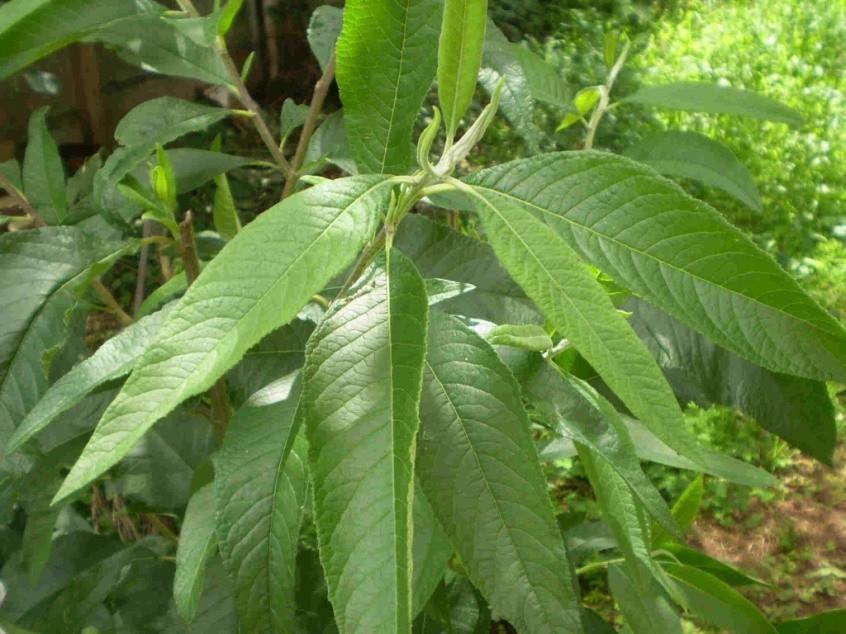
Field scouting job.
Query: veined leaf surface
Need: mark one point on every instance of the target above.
(196, 545)
(257, 283)
(679, 254)
(386, 63)
(478, 466)
(363, 373)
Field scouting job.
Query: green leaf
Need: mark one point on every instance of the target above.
(196, 545)
(832, 622)
(184, 47)
(258, 282)
(195, 167)
(363, 372)
(32, 29)
(11, 169)
(500, 62)
(528, 337)
(324, 27)
(716, 602)
(227, 16)
(40, 269)
(652, 449)
(643, 611)
(726, 573)
(113, 359)
(544, 80)
(695, 156)
(576, 304)
(225, 214)
(386, 62)
(703, 97)
(799, 410)
(292, 116)
(440, 252)
(587, 98)
(158, 470)
(581, 413)
(460, 50)
(43, 172)
(171, 289)
(259, 490)
(685, 509)
(431, 551)
(478, 466)
(679, 254)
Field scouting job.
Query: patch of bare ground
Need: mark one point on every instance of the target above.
(797, 543)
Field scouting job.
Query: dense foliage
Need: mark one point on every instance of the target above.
(336, 416)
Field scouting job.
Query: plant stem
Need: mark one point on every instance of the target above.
(321, 89)
(22, 201)
(112, 304)
(161, 527)
(244, 96)
(598, 565)
(605, 97)
(219, 394)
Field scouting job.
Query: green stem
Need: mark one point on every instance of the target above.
(604, 99)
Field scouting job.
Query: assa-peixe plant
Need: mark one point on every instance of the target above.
(369, 373)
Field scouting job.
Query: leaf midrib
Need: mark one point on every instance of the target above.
(396, 87)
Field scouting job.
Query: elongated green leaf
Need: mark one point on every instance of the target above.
(363, 372)
(324, 27)
(224, 212)
(528, 337)
(184, 47)
(258, 282)
(685, 509)
(500, 62)
(194, 167)
(716, 602)
(171, 289)
(431, 551)
(544, 80)
(714, 567)
(832, 622)
(704, 97)
(478, 466)
(112, 360)
(196, 545)
(460, 48)
(799, 410)
(695, 156)
(43, 172)
(291, 117)
(32, 29)
(575, 303)
(591, 420)
(440, 252)
(259, 490)
(386, 63)
(679, 254)
(40, 270)
(644, 611)
(11, 169)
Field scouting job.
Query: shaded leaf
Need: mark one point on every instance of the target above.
(644, 611)
(704, 97)
(324, 27)
(43, 172)
(528, 337)
(832, 622)
(259, 490)
(363, 372)
(196, 545)
(695, 156)
(478, 466)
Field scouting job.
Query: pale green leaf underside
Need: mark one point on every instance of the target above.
(196, 545)
(678, 253)
(112, 360)
(259, 491)
(363, 373)
(257, 283)
(695, 156)
(460, 47)
(713, 98)
(478, 466)
(576, 304)
(386, 63)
